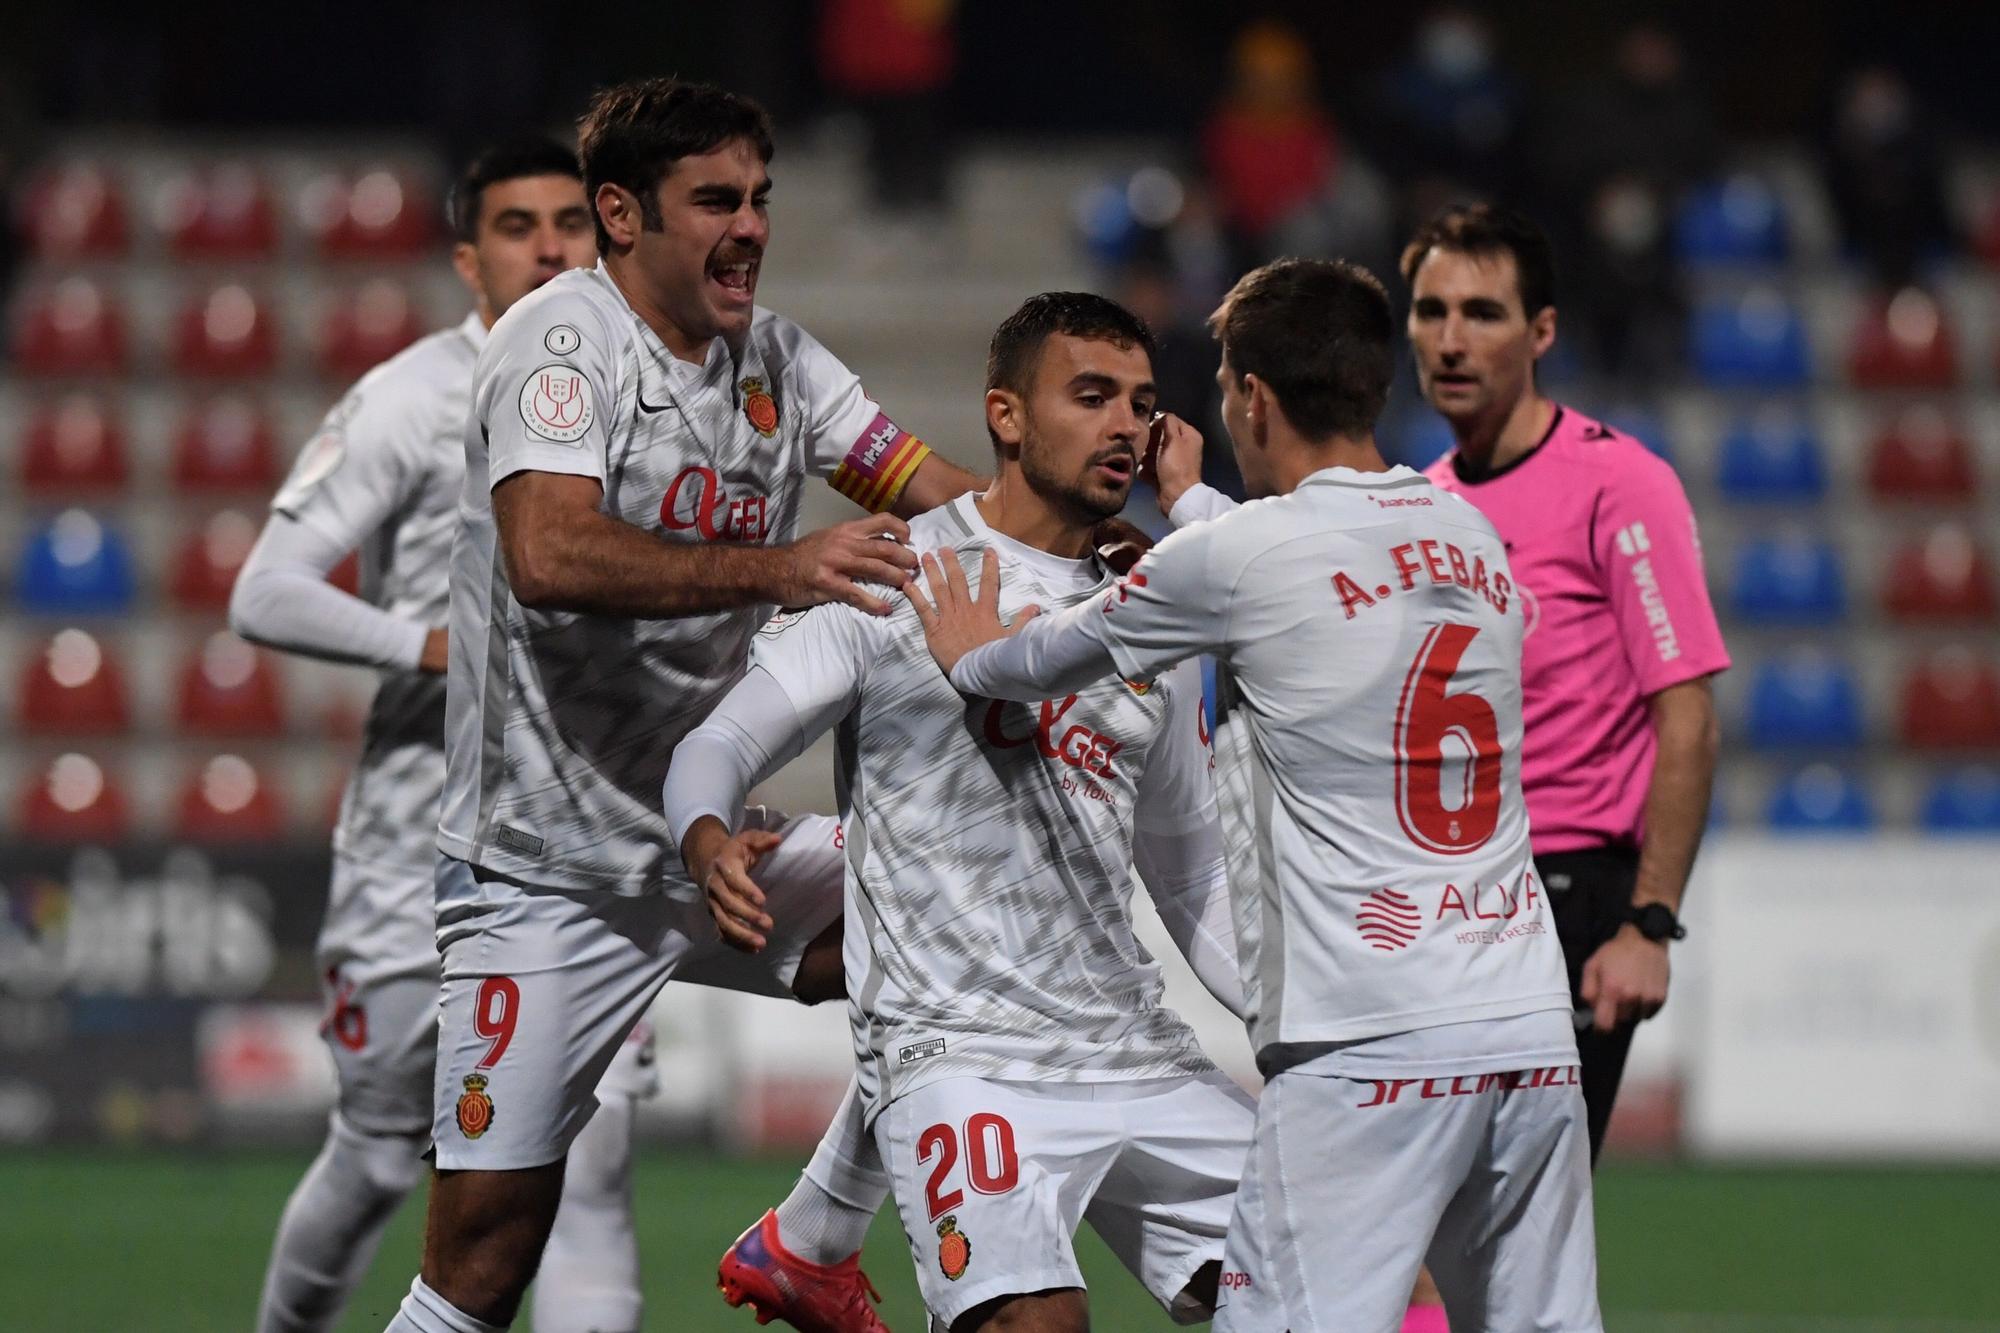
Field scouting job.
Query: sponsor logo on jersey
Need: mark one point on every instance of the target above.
(555, 403)
(759, 406)
(475, 1108)
(1632, 540)
(1404, 502)
(1387, 1090)
(954, 1249)
(1658, 619)
(1388, 920)
(1235, 1280)
(874, 443)
(519, 841)
(923, 1050)
(1077, 746)
(696, 502)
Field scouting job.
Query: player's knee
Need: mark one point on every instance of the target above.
(388, 1164)
(1063, 1310)
(1195, 1303)
(485, 1236)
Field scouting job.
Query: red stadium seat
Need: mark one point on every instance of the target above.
(228, 688)
(222, 212)
(367, 329)
(1951, 701)
(72, 687)
(206, 566)
(228, 800)
(73, 799)
(74, 211)
(1905, 342)
(225, 333)
(72, 328)
(1943, 576)
(378, 214)
(75, 445)
(225, 444)
(1922, 455)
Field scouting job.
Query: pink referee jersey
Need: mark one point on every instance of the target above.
(1603, 547)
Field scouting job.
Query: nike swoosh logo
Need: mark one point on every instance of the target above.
(647, 407)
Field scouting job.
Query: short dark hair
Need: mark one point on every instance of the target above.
(632, 134)
(498, 163)
(1319, 333)
(1016, 350)
(1490, 229)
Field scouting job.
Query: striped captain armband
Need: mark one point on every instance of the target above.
(879, 465)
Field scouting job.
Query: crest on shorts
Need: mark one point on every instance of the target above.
(759, 406)
(954, 1249)
(475, 1108)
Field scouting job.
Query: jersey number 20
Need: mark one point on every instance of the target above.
(1433, 726)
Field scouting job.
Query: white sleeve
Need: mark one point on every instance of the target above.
(806, 669)
(1177, 845)
(1051, 656)
(850, 440)
(282, 600)
(1199, 503)
(543, 388)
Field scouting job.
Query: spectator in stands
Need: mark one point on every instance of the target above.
(893, 60)
(1885, 169)
(1452, 112)
(1270, 149)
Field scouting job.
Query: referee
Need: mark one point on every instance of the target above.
(1621, 644)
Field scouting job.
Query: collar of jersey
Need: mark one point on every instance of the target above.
(682, 376)
(1398, 475)
(474, 329)
(1076, 575)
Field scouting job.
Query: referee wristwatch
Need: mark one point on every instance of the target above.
(1657, 922)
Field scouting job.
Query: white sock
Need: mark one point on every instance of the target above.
(424, 1311)
(332, 1224)
(589, 1278)
(827, 1214)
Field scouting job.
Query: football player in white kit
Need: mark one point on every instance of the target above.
(1408, 1002)
(1019, 1067)
(639, 437)
(382, 476)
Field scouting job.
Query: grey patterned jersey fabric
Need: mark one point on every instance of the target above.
(989, 844)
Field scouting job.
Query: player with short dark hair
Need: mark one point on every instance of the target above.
(1622, 642)
(1405, 994)
(639, 438)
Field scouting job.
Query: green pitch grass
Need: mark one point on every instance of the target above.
(110, 1243)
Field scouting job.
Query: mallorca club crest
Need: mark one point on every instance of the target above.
(475, 1108)
(759, 406)
(954, 1249)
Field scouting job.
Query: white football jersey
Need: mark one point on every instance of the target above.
(382, 476)
(561, 725)
(1369, 634)
(989, 844)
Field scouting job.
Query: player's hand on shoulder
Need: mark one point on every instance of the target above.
(954, 621)
(831, 564)
(1172, 460)
(735, 902)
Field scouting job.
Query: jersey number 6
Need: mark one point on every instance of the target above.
(1428, 723)
(990, 1164)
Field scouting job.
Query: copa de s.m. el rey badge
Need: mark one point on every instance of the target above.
(555, 403)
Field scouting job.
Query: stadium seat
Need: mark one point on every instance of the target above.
(228, 688)
(1643, 424)
(1922, 455)
(228, 800)
(1943, 576)
(1904, 342)
(72, 446)
(1820, 799)
(208, 561)
(74, 565)
(377, 215)
(373, 325)
(221, 212)
(74, 210)
(73, 799)
(71, 687)
(1964, 800)
(1789, 581)
(1804, 700)
(1755, 341)
(1951, 701)
(1771, 458)
(1739, 220)
(225, 444)
(225, 333)
(72, 328)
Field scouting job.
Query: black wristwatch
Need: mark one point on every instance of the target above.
(1657, 922)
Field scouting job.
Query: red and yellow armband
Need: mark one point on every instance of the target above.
(879, 465)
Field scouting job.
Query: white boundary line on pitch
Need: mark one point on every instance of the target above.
(1656, 1321)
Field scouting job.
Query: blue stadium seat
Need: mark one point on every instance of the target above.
(74, 565)
(1821, 799)
(1755, 341)
(1965, 800)
(1643, 424)
(1740, 220)
(1789, 581)
(1772, 457)
(1804, 700)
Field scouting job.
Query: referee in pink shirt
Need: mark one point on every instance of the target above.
(1621, 733)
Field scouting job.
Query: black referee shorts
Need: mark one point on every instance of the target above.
(1589, 895)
